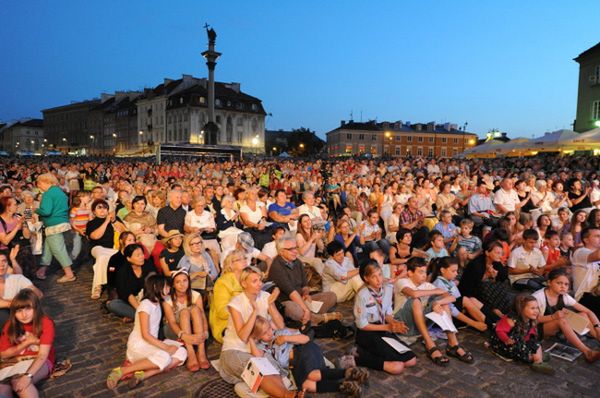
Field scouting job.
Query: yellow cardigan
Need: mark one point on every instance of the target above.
(226, 288)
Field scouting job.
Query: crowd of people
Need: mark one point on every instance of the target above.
(257, 256)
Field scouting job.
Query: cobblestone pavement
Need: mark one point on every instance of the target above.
(95, 343)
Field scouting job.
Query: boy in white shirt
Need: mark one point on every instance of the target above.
(414, 297)
(526, 263)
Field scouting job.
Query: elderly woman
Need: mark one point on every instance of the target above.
(198, 262)
(28, 207)
(141, 223)
(228, 224)
(54, 213)
(226, 287)
(243, 312)
(253, 215)
(202, 221)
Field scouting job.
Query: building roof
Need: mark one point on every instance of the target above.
(415, 128)
(595, 50)
(229, 94)
(90, 103)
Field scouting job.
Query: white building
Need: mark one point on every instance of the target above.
(25, 135)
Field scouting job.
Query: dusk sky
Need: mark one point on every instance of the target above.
(504, 64)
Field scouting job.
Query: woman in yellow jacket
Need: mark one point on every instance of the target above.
(226, 288)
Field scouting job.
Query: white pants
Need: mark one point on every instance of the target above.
(314, 262)
(345, 291)
(102, 256)
(143, 350)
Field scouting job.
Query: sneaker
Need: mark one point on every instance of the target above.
(96, 292)
(542, 368)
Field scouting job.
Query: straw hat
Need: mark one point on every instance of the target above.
(170, 235)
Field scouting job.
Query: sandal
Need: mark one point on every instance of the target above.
(113, 378)
(360, 375)
(65, 279)
(135, 381)
(452, 351)
(442, 360)
(350, 388)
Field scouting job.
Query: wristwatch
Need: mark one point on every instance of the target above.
(29, 375)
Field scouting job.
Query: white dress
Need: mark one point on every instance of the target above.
(138, 348)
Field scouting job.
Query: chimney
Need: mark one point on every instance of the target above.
(386, 125)
(342, 123)
(447, 127)
(418, 126)
(431, 126)
(233, 86)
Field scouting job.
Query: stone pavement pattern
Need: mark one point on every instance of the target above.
(95, 343)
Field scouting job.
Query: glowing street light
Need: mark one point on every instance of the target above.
(114, 135)
(301, 145)
(141, 132)
(64, 140)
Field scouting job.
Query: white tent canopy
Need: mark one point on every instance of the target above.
(588, 141)
(551, 142)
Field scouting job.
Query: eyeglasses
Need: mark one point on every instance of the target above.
(291, 248)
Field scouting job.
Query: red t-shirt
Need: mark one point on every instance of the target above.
(47, 337)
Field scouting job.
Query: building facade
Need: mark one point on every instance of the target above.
(239, 116)
(23, 136)
(398, 139)
(69, 127)
(588, 93)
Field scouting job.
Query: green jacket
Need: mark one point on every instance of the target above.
(54, 207)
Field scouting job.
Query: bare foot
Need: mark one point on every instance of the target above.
(192, 364)
(591, 356)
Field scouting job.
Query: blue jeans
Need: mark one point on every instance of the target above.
(54, 246)
(76, 245)
(121, 308)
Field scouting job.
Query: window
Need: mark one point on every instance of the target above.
(361, 149)
(420, 151)
(455, 140)
(596, 110)
(348, 136)
(454, 151)
(397, 138)
(408, 150)
(398, 151)
(431, 140)
(361, 137)
(430, 152)
(202, 100)
(443, 152)
(181, 100)
(409, 138)
(373, 137)
(373, 150)
(444, 140)
(217, 102)
(349, 148)
(419, 139)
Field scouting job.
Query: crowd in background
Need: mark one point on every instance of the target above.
(257, 256)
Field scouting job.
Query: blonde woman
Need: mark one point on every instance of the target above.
(198, 262)
(226, 287)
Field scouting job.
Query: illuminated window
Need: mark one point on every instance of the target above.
(596, 110)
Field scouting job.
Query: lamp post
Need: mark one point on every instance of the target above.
(92, 142)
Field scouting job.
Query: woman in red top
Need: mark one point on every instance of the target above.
(28, 333)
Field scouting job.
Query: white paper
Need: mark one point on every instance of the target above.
(396, 345)
(577, 322)
(314, 306)
(17, 369)
(443, 321)
(199, 283)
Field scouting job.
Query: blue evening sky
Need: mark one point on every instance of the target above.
(502, 64)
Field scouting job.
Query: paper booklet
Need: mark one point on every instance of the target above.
(396, 345)
(19, 368)
(256, 369)
(199, 283)
(564, 351)
(577, 322)
(314, 306)
(443, 321)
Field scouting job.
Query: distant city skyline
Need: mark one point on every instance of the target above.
(505, 65)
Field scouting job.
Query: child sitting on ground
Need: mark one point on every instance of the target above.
(465, 242)
(414, 298)
(310, 372)
(438, 247)
(515, 337)
(465, 309)
(526, 263)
